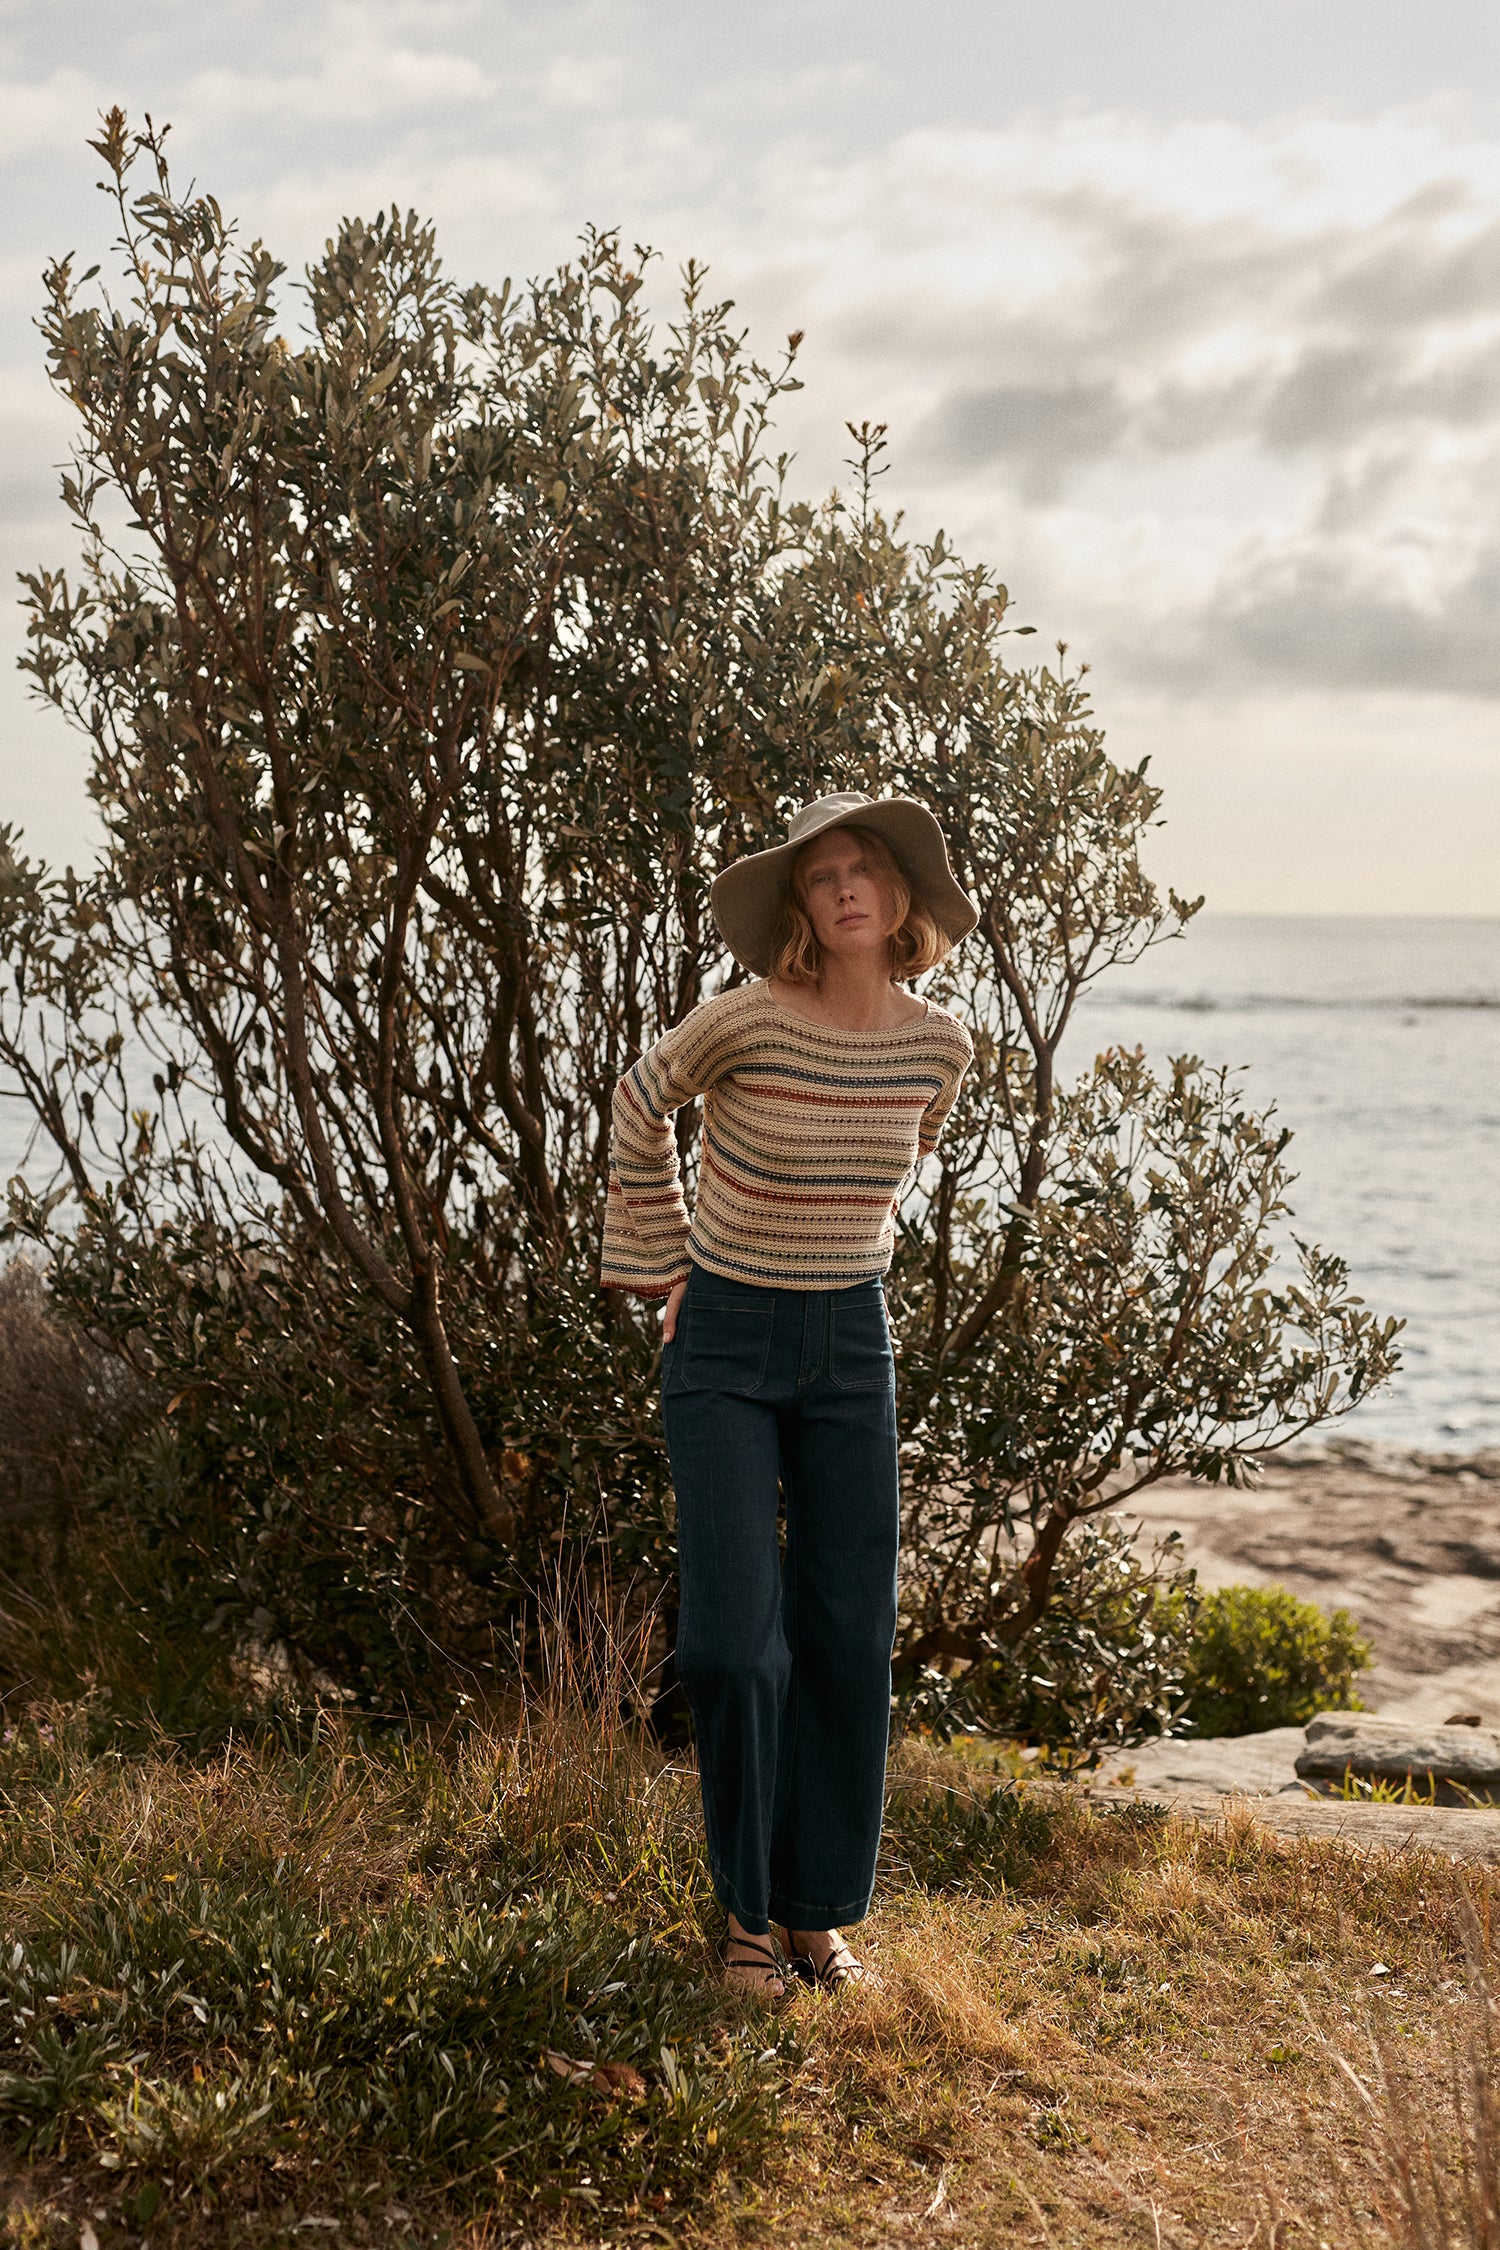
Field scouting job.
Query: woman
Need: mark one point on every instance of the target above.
(824, 1082)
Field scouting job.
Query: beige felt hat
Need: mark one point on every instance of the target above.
(748, 897)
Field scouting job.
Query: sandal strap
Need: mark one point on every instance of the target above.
(761, 1955)
(840, 1967)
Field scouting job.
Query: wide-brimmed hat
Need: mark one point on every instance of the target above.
(749, 897)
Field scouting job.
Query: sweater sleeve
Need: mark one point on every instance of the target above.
(935, 1115)
(646, 1219)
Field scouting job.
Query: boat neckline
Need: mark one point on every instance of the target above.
(836, 1031)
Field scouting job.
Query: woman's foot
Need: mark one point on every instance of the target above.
(821, 1958)
(751, 1965)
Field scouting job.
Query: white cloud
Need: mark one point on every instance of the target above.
(1221, 400)
(358, 82)
(1225, 392)
(581, 81)
(47, 115)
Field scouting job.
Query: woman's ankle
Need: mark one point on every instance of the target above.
(813, 1945)
(750, 1961)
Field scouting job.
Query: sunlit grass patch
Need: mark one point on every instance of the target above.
(1128, 2043)
(481, 1975)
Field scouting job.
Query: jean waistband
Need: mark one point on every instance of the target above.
(755, 1293)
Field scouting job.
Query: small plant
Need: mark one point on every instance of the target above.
(1259, 1657)
(1053, 2130)
(448, 1977)
(1371, 1789)
(951, 1840)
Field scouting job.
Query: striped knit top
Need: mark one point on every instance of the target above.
(808, 1137)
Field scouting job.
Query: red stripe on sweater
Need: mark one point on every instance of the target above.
(831, 1101)
(771, 1195)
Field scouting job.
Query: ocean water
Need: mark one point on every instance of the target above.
(1379, 1042)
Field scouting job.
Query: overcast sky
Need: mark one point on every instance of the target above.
(1185, 314)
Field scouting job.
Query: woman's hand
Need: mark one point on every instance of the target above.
(675, 1296)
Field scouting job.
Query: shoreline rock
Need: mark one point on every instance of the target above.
(1383, 1457)
(1457, 1762)
(1408, 1542)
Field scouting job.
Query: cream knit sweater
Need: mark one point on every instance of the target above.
(808, 1137)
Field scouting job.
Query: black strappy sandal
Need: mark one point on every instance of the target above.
(841, 1968)
(755, 1953)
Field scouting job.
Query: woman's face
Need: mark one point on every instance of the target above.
(847, 900)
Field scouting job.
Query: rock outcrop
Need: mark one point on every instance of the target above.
(1457, 1764)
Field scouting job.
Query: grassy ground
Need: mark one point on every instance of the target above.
(466, 1994)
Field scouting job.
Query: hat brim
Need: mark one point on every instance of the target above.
(749, 896)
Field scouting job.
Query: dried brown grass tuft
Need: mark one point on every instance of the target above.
(1120, 2051)
(936, 2005)
(1424, 2170)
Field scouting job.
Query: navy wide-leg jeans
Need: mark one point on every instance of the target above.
(786, 1664)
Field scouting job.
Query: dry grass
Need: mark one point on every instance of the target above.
(1429, 2159)
(1136, 2047)
(1092, 2027)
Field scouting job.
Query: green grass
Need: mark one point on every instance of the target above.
(460, 1977)
(979, 1841)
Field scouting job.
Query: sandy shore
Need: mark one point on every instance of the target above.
(1409, 1543)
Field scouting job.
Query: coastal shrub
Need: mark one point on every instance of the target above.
(1260, 1657)
(434, 645)
(1105, 1668)
(64, 1401)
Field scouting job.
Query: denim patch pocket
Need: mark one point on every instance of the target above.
(725, 1345)
(859, 1353)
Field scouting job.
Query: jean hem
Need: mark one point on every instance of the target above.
(802, 1914)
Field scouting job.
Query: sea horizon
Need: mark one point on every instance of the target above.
(1376, 1038)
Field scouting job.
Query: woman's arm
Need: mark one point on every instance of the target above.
(646, 1223)
(935, 1115)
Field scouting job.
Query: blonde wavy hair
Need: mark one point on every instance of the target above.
(917, 943)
